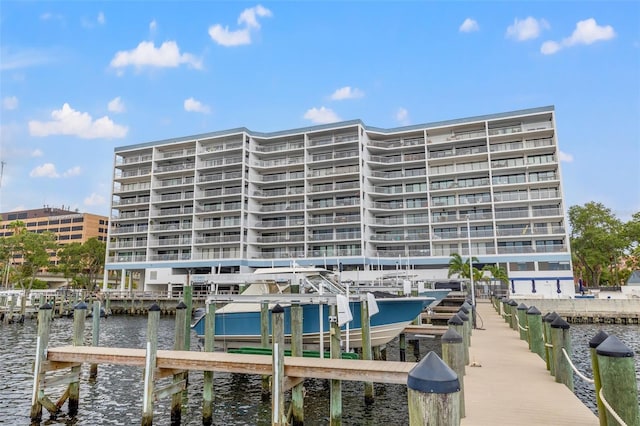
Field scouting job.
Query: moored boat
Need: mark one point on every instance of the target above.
(238, 324)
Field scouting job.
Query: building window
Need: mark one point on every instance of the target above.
(76, 228)
(31, 224)
(78, 219)
(65, 229)
(43, 223)
(76, 236)
(65, 221)
(63, 237)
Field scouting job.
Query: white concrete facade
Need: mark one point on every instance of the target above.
(373, 200)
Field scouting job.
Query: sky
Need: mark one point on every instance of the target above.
(79, 78)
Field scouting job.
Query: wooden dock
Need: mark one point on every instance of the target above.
(513, 386)
(326, 368)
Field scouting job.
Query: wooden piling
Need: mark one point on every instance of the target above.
(600, 337)
(521, 315)
(176, 398)
(456, 323)
(264, 340)
(433, 393)
(546, 322)
(79, 315)
(369, 393)
(513, 323)
(466, 325)
(453, 355)
(335, 416)
(150, 365)
(535, 338)
(618, 379)
(561, 339)
(209, 345)
(297, 392)
(42, 341)
(279, 417)
(402, 344)
(95, 337)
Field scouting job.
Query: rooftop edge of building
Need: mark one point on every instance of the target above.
(337, 125)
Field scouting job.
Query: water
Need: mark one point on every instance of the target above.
(116, 397)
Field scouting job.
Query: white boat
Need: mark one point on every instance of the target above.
(238, 324)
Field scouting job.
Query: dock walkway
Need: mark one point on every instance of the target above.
(513, 386)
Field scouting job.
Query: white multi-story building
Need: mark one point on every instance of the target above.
(372, 200)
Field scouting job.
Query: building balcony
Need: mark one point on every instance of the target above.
(218, 239)
(145, 158)
(186, 152)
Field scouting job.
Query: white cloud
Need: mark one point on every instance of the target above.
(74, 171)
(550, 47)
(586, 32)
(37, 153)
(249, 17)
(346, 93)
(146, 54)
(225, 37)
(321, 115)
(402, 116)
(25, 58)
(469, 25)
(526, 29)
(153, 26)
(192, 105)
(101, 19)
(116, 105)
(46, 170)
(565, 157)
(67, 121)
(94, 200)
(10, 102)
(48, 16)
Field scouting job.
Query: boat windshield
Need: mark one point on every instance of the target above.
(322, 284)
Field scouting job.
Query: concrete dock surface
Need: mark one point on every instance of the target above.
(511, 385)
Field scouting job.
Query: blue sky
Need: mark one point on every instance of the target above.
(80, 78)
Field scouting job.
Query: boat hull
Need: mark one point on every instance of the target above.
(237, 329)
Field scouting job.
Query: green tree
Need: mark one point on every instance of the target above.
(598, 242)
(81, 263)
(34, 251)
(460, 267)
(496, 273)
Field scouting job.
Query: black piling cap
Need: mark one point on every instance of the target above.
(467, 305)
(613, 347)
(533, 311)
(522, 307)
(512, 303)
(451, 336)
(463, 316)
(433, 375)
(600, 337)
(455, 320)
(46, 306)
(464, 308)
(277, 309)
(504, 299)
(80, 305)
(551, 317)
(181, 305)
(154, 308)
(559, 322)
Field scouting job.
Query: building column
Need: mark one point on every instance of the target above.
(123, 280)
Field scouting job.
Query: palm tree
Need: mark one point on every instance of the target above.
(497, 273)
(459, 267)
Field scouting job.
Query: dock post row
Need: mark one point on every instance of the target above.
(613, 364)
